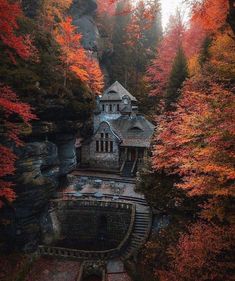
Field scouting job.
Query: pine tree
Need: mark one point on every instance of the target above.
(179, 73)
(119, 60)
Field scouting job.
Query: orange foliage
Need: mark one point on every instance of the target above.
(197, 140)
(10, 105)
(159, 71)
(210, 14)
(95, 76)
(53, 9)
(75, 59)
(198, 255)
(142, 19)
(106, 7)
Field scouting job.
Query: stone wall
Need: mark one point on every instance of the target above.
(91, 225)
(103, 160)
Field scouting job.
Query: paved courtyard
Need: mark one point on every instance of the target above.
(102, 183)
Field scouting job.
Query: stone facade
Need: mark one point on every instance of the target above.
(120, 134)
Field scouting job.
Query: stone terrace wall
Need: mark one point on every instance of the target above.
(92, 225)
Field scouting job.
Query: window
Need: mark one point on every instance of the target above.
(106, 146)
(117, 107)
(102, 146)
(106, 135)
(111, 146)
(125, 101)
(103, 108)
(110, 107)
(102, 135)
(97, 146)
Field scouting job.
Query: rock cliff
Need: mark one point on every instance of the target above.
(49, 151)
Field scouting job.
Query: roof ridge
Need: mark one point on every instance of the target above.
(119, 91)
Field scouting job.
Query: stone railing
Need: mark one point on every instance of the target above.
(74, 253)
(106, 196)
(71, 204)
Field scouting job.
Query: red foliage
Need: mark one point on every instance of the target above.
(197, 140)
(21, 44)
(106, 7)
(210, 14)
(142, 19)
(200, 255)
(10, 106)
(75, 59)
(159, 71)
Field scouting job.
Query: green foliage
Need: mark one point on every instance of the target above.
(40, 83)
(162, 194)
(127, 63)
(179, 73)
(204, 54)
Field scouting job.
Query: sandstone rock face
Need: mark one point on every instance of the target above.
(66, 153)
(36, 181)
(40, 162)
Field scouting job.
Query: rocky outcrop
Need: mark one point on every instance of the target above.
(36, 181)
(82, 12)
(49, 152)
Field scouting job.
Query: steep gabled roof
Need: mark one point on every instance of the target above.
(116, 92)
(134, 131)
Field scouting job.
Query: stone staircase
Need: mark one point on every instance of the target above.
(126, 172)
(140, 232)
(139, 235)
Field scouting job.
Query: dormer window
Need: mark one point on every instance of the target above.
(136, 128)
(112, 92)
(125, 101)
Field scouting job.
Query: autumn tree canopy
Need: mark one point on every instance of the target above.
(10, 105)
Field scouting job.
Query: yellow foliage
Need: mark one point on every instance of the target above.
(193, 65)
(223, 55)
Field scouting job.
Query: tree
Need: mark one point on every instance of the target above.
(73, 55)
(10, 106)
(195, 143)
(200, 255)
(158, 72)
(196, 140)
(75, 59)
(52, 12)
(20, 44)
(118, 65)
(179, 73)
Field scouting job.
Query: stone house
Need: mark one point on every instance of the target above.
(121, 136)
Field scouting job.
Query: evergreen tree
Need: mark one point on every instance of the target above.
(118, 64)
(204, 54)
(179, 73)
